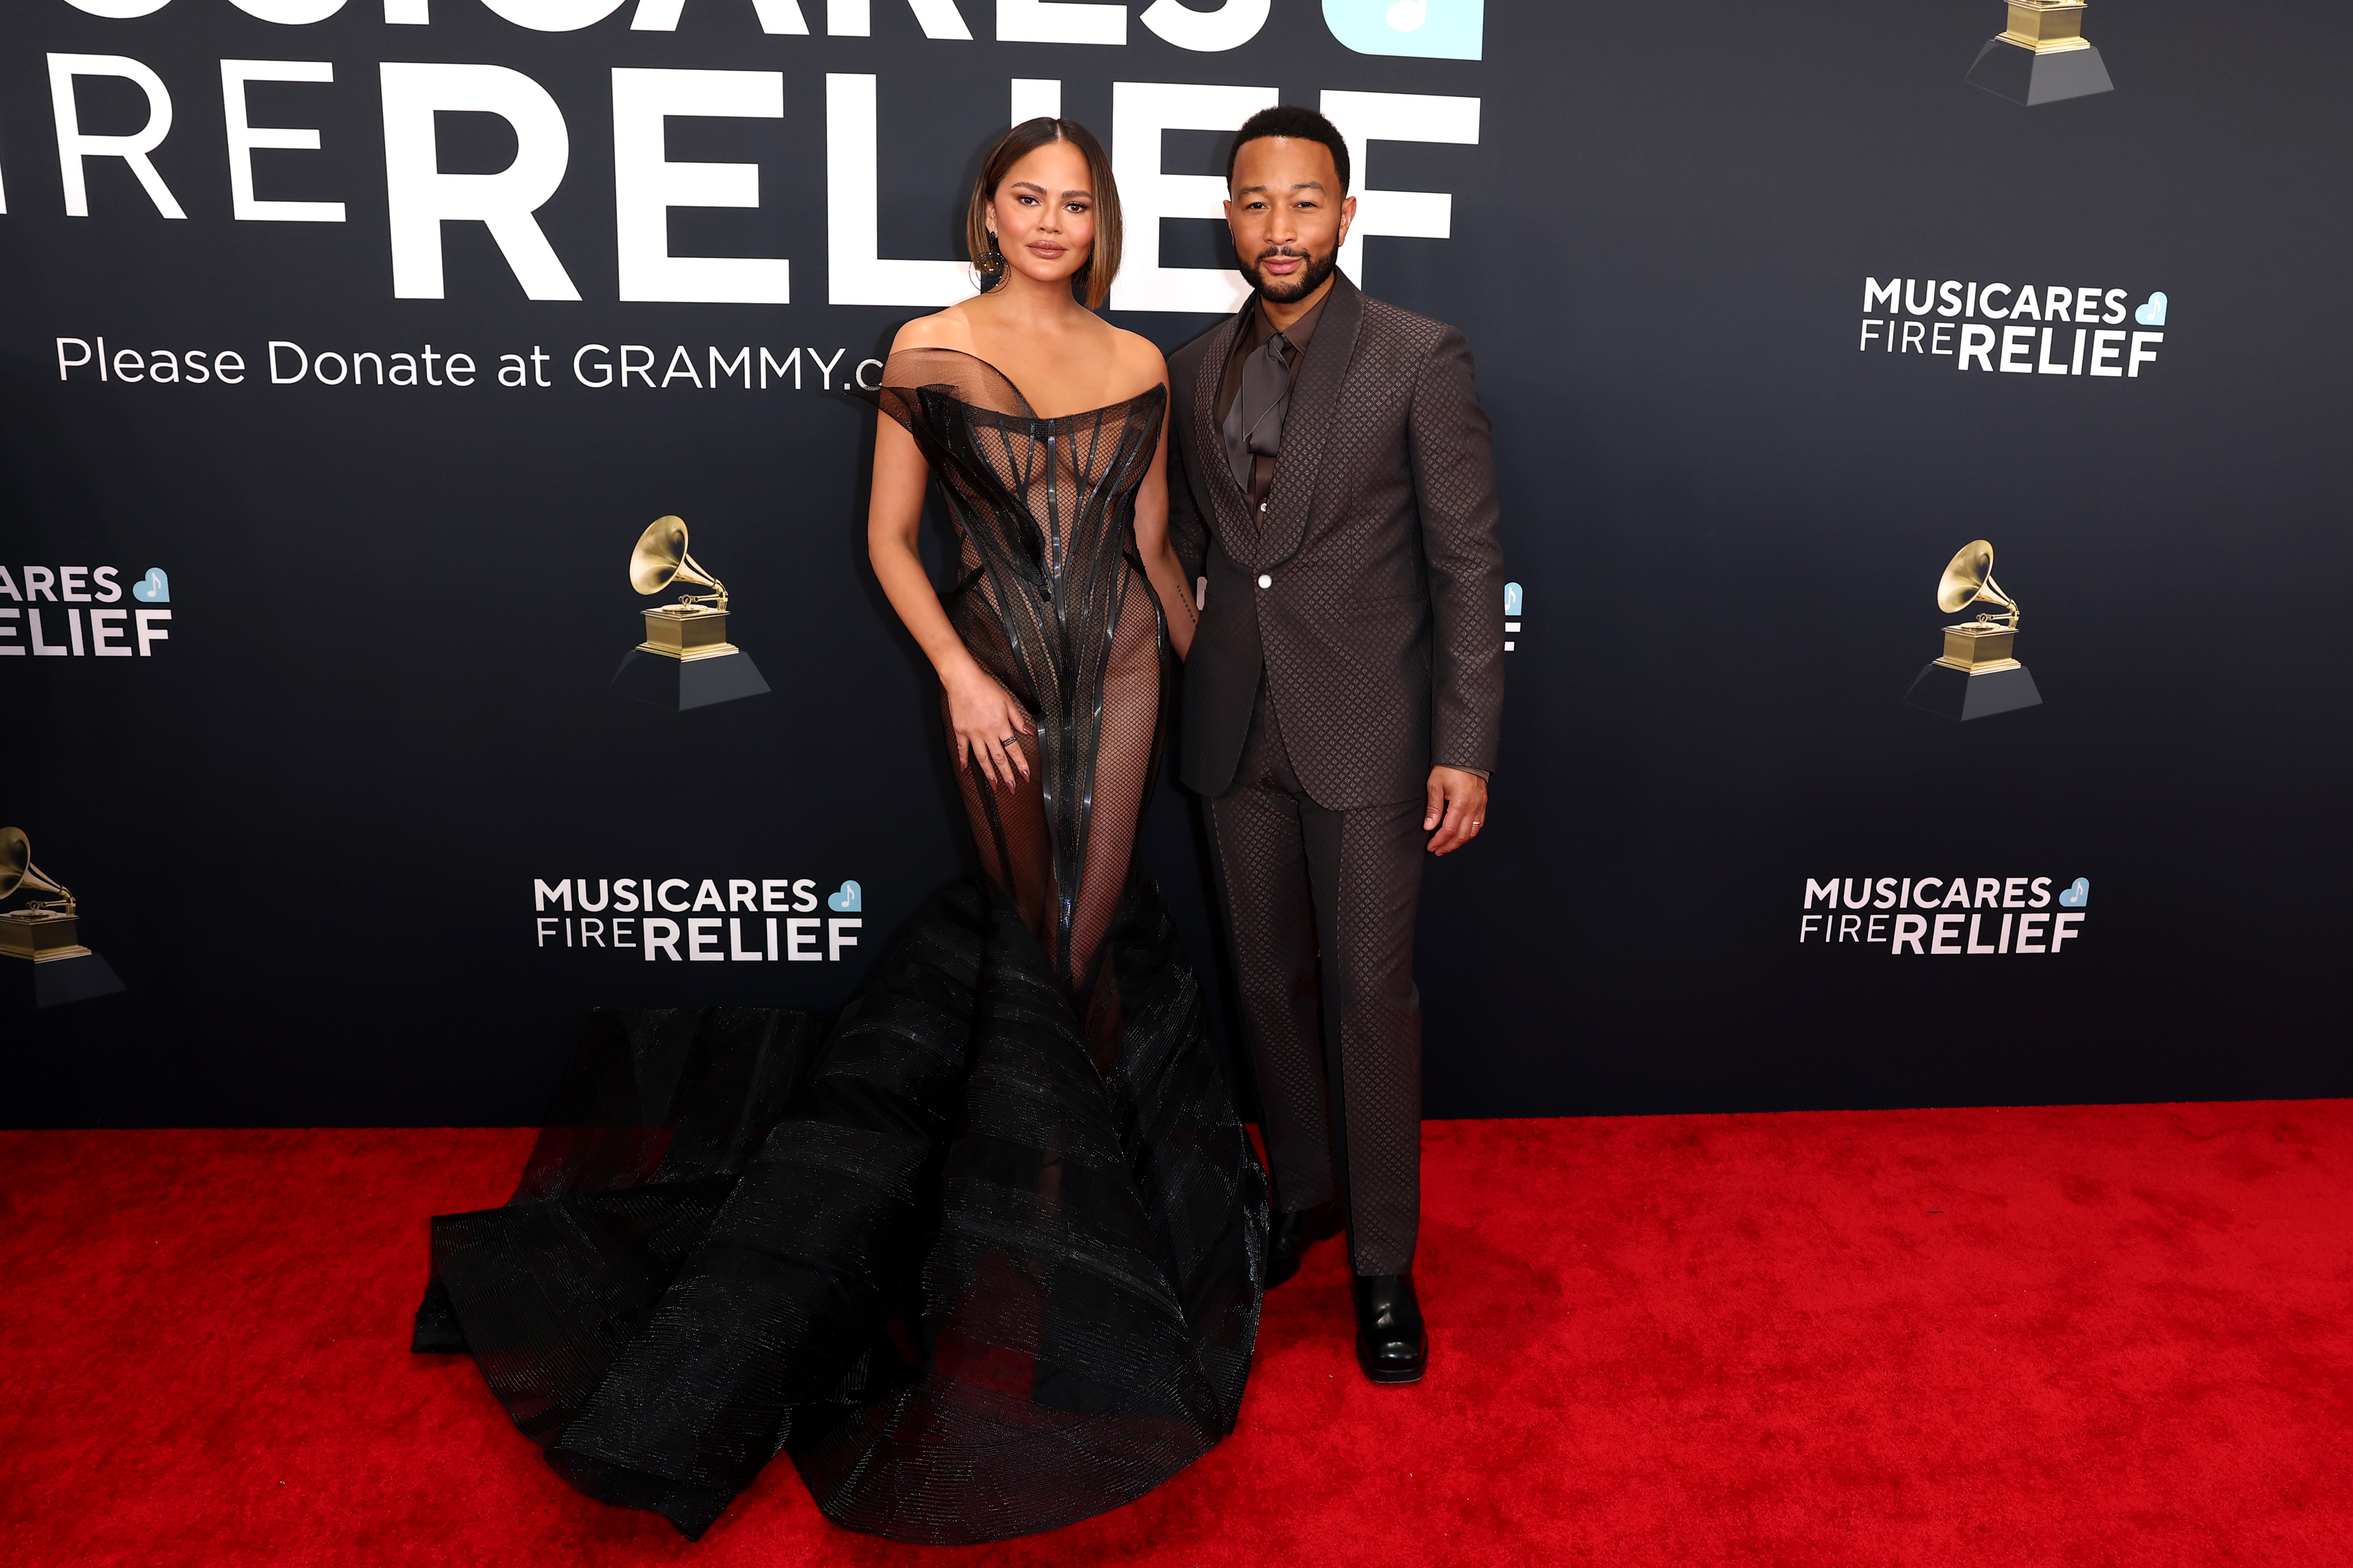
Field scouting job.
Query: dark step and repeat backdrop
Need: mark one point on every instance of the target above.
(350, 345)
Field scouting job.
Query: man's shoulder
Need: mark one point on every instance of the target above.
(1394, 328)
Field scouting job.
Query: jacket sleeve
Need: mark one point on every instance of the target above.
(1189, 529)
(1452, 449)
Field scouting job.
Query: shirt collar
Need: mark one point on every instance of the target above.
(1257, 331)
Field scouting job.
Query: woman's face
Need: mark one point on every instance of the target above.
(1044, 214)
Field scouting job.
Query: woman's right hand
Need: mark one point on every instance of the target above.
(988, 725)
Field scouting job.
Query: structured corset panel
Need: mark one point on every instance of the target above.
(1052, 600)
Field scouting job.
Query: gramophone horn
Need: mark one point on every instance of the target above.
(1968, 580)
(16, 868)
(660, 559)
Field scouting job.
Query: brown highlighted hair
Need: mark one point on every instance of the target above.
(1102, 261)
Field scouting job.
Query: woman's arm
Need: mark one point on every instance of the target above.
(987, 721)
(1160, 562)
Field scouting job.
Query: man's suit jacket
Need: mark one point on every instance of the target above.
(1370, 592)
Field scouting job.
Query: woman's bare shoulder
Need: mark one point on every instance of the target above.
(948, 329)
(1141, 366)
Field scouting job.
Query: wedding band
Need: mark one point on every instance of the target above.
(1478, 822)
(1008, 740)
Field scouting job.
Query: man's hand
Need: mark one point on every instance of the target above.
(1458, 808)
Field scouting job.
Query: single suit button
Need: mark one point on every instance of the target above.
(1265, 582)
(1263, 505)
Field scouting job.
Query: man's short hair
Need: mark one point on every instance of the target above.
(1294, 120)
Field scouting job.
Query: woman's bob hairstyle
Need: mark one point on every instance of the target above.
(1102, 261)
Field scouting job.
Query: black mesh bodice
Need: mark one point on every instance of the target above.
(1051, 599)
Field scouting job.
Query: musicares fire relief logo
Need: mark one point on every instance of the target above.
(1937, 916)
(43, 614)
(2052, 329)
(766, 920)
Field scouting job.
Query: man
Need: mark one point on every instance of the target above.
(1335, 496)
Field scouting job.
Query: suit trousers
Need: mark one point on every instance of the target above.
(1320, 905)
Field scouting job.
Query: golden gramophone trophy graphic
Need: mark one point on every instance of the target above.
(686, 660)
(40, 940)
(1979, 674)
(2041, 57)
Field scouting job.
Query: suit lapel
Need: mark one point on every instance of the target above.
(1307, 430)
(1225, 498)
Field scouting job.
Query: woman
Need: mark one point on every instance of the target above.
(991, 1262)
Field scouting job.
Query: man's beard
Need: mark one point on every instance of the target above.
(1300, 284)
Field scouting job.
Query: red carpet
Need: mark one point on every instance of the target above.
(2074, 1336)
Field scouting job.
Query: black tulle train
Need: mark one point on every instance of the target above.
(978, 1280)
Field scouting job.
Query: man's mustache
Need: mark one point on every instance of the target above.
(1290, 251)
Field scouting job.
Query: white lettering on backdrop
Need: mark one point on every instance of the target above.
(1233, 23)
(1140, 112)
(1396, 117)
(857, 273)
(74, 144)
(243, 138)
(554, 15)
(1035, 98)
(1060, 22)
(422, 199)
(1210, 32)
(854, 19)
(290, 13)
(647, 184)
(776, 16)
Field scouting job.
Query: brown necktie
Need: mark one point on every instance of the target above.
(1254, 424)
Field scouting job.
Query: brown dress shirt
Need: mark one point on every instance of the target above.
(1255, 334)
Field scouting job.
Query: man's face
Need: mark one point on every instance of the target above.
(1287, 216)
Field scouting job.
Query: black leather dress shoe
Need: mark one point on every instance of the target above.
(1392, 1346)
(1291, 1235)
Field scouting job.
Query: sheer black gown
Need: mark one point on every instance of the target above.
(986, 1256)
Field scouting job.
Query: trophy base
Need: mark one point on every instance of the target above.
(41, 934)
(2024, 76)
(57, 979)
(664, 680)
(1961, 695)
(687, 631)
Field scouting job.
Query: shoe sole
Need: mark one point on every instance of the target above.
(1395, 1378)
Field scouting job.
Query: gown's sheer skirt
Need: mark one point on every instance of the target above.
(986, 1259)
(1052, 600)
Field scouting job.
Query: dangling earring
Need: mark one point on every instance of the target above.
(996, 262)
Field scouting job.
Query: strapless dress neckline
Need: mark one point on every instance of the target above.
(1030, 409)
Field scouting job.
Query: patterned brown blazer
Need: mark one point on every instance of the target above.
(1380, 627)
